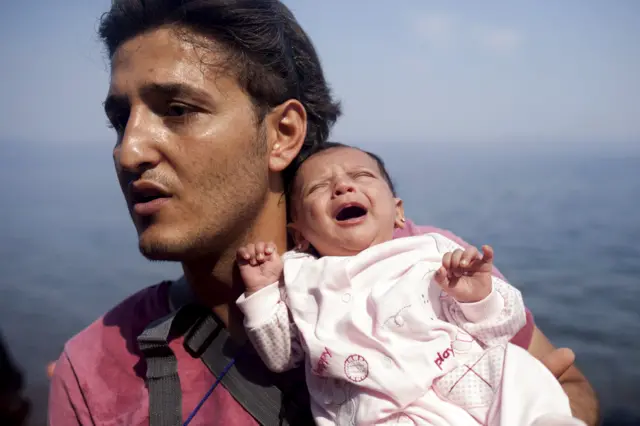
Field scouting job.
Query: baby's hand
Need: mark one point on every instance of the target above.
(466, 275)
(260, 265)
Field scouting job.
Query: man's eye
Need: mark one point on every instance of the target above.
(177, 110)
(117, 121)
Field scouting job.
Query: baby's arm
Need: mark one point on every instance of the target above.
(270, 329)
(493, 320)
(488, 308)
(267, 320)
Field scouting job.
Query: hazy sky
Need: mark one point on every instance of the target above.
(536, 73)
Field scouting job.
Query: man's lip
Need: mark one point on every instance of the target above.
(145, 188)
(150, 208)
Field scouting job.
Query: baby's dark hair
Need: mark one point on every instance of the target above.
(295, 167)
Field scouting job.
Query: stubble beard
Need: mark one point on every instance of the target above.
(231, 201)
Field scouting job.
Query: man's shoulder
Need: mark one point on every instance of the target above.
(114, 333)
(100, 373)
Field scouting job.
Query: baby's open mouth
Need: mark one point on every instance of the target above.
(350, 211)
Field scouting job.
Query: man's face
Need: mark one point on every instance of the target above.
(190, 157)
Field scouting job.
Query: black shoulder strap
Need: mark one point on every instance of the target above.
(272, 399)
(165, 395)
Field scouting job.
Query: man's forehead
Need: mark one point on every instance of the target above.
(163, 57)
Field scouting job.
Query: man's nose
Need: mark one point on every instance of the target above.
(137, 149)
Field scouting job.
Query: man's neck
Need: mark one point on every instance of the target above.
(216, 282)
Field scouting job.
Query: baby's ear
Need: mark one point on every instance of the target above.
(400, 221)
(300, 243)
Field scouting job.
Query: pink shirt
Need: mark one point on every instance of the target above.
(99, 378)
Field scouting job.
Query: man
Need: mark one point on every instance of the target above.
(214, 103)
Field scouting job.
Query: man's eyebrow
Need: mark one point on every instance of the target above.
(173, 90)
(168, 90)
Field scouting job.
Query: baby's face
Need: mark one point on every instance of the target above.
(342, 203)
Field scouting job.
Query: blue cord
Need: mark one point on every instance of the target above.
(209, 392)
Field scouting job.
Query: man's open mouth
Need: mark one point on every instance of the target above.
(146, 198)
(350, 211)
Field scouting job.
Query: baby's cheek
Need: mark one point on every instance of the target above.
(314, 212)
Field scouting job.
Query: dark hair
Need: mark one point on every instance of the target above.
(268, 52)
(295, 166)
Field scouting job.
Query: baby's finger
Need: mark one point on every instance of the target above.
(441, 278)
(270, 248)
(456, 269)
(469, 255)
(446, 261)
(456, 256)
(243, 254)
(260, 251)
(487, 253)
(251, 249)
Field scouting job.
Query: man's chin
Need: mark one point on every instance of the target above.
(172, 246)
(159, 253)
(159, 247)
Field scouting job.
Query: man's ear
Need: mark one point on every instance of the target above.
(301, 243)
(400, 220)
(286, 127)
